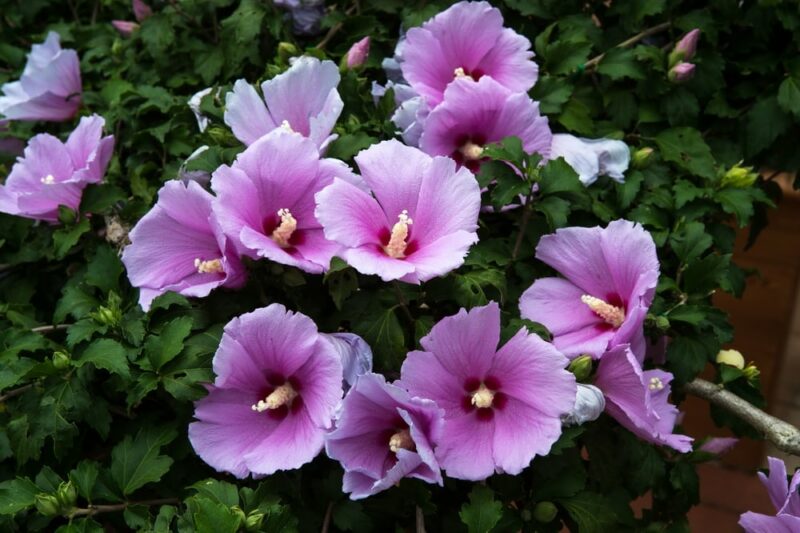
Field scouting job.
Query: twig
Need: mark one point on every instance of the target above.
(783, 435)
(401, 300)
(50, 329)
(335, 29)
(326, 522)
(592, 63)
(420, 525)
(523, 225)
(97, 509)
(15, 392)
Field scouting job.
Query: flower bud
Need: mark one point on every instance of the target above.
(732, 358)
(589, 405)
(581, 366)
(681, 72)
(253, 521)
(141, 10)
(357, 54)
(61, 360)
(751, 372)
(47, 504)
(239, 513)
(685, 48)
(106, 316)
(286, 51)
(642, 157)
(125, 27)
(67, 495)
(545, 512)
(662, 323)
(739, 177)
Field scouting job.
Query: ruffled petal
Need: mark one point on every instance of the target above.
(246, 113)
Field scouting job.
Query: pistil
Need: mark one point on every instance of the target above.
(610, 313)
(655, 384)
(401, 441)
(282, 395)
(48, 180)
(483, 397)
(284, 231)
(212, 266)
(396, 247)
(471, 151)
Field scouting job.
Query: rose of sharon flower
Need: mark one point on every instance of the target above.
(52, 173)
(611, 275)
(277, 385)
(179, 246)
(50, 85)
(592, 158)
(785, 497)
(383, 435)
(639, 399)
(502, 407)
(355, 354)
(265, 200)
(302, 99)
(418, 225)
(475, 114)
(467, 40)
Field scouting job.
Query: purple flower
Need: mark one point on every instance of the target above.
(265, 200)
(592, 158)
(306, 15)
(52, 173)
(686, 47)
(355, 354)
(466, 40)
(358, 53)
(681, 72)
(50, 85)
(141, 10)
(276, 388)
(418, 225)
(611, 275)
(383, 435)
(502, 407)
(303, 99)
(411, 111)
(179, 246)
(785, 499)
(474, 114)
(125, 27)
(639, 399)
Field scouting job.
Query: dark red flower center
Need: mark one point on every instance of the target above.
(483, 397)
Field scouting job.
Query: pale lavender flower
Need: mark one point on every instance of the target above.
(785, 497)
(639, 399)
(682, 72)
(277, 385)
(355, 354)
(303, 99)
(265, 200)
(611, 275)
(411, 111)
(52, 173)
(466, 40)
(50, 85)
(502, 406)
(420, 222)
(383, 435)
(592, 158)
(179, 246)
(474, 114)
(358, 53)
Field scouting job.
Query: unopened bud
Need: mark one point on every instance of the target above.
(357, 55)
(141, 10)
(589, 405)
(732, 358)
(47, 504)
(739, 177)
(253, 521)
(662, 323)
(581, 366)
(125, 27)
(67, 495)
(642, 157)
(239, 514)
(61, 360)
(545, 512)
(286, 51)
(681, 72)
(685, 48)
(106, 316)
(751, 372)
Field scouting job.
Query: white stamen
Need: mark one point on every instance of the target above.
(655, 384)
(459, 73)
(401, 440)
(286, 126)
(212, 266)
(471, 151)
(48, 180)
(396, 247)
(283, 233)
(483, 397)
(282, 395)
(611, 314)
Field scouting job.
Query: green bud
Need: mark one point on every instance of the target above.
(739, 177)
(67, 495)
(106, 316)
(751, 372)
(47, 504)
(253, 521)
(237, 511)
(286, 51)
(61, 360)
(662, 323)
(581, 366)
(116, 47)
(222, 136)
(545, 512)
(642, 158)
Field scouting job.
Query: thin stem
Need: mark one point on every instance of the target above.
(592, 63)
(326, 522)
(97, 509)
(420, 520)
(15, 392)
(783, 435)
(523, 225)
(50, 329)
(335, 29)
(401, 300)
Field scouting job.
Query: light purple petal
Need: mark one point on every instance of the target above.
(760, 523)
(355, 354)
(591, 158)
(466, 449)
(246, 113)
(295, 441)
(777, 487)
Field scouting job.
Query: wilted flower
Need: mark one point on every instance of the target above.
(50, 85)
(125, 27)
(303, 99)
(52, 173)
(681, 72)
(502, 406)
(358, 53)
(265, 200)
(592, 158)
(733, 358)
(383, 435)
(785, 497)
(179, 246)
(611, 275)
(685, 48)
(141, 10)
(474, 114)
(418, 225)
(200, 176)
(466, 40)
(639, 399)
(194, 104)
(589, 405)
(355, 354)
(276, 388)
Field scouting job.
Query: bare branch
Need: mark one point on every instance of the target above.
(783, 435)
(633, 40)
(97, 509)
(15, 392)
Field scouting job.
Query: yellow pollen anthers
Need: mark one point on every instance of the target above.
(610, 313)
(284, 231)
(483, 397)
(48, 180)
(282, 395)
(459, 73)
(286, 126)
(471, 151)
(401, 441)
(397, 242)
(655, 384)
(212, 266)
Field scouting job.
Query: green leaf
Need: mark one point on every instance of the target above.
(383, 332)
(557, 176)
(165, 346)
(136, 462)
(65, 238)
(619, 63)
(219, 491)
(563, 57)
(687, 356)
(16, 495)
(104, 269)
(212, 517)
(690, 241)
(482, 512)
(765, 122)
(552, 93)
(555, 209)
(99, 198)
(350, 516)
(591, 511)
(704, 275)
(107, 354)
(686, 148)
(471, 286)
(737, 202)
(349, 144)
(789, 95)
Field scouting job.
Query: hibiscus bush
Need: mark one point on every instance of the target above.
(288, 266)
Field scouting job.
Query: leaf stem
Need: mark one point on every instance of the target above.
(15, 392)
(592, 63)
(326, 522)
(401, 300)
(97, 509)
(523, 225)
